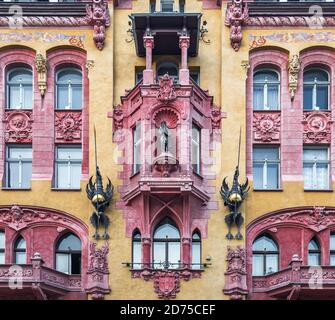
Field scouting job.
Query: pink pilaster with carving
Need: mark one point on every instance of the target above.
(148, 74)
(184, 73)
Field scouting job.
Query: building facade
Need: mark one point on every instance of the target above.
(167, 149)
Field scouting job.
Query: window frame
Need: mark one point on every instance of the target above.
(17, 250)
(198, 241)
(265, 92)
(315, 166)
(314, 251)
(69, 162)
(9, 160)
(136, 240)
(331, 251)
(3, 249)
(198, 143)
(265, 167)
(10, 84)
(265, 253)
(70, 90)
(69, 253)
(136, 167)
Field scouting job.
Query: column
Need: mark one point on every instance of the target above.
(184, 73)
(148, 74)
(146, 252)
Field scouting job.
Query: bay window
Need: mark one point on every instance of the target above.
(266, 166)
(68, 167)
(19, 88)
(18, 166)
(316, 89)
(266, 86)
(69, 91)
(316, 168)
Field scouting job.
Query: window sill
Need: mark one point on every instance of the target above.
(198, 175)
(271, 110)
(268, 190)
(318, 190)
(15, 189)
(60, 189)
(134, 174)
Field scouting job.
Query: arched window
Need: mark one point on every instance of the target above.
(19, 88)
(69, 89)
(316, 89)
(196, 250)
(265, 256)
(68, 254)
(332, 249)
(2, 247)
(137, 250)
(266, 90)
(20, 251)
(166, 248)
(169, 68)
(314, 253)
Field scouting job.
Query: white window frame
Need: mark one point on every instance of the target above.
(137, 144)
(265, 84)
(198, 144)
(315, 84)
(265, 168)
(315, 163)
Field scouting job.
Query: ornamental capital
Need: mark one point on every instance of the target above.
(184, 42)
(148, 42)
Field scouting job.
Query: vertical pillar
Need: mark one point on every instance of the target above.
(186, 243)
(146, 252)
(184, 73)
(148, 74)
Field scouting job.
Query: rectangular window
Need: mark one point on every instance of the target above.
(167, 5)
(138, 74)
(2, 247)
(195, 74)
(68, 167)
(152, 6)
(18, 166)
(137, 148)
(266, 166)
(316, 168)
(196, 148)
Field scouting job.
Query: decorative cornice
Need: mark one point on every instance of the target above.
(50, 21)
(289, 21)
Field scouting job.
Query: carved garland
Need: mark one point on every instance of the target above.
(317, 127)
(18, 126)
(236, 16)
(266, 127)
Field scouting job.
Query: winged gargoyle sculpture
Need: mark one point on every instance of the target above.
(100, 199)
(233, 199)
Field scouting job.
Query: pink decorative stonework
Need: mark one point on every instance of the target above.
(166, 282)
(236, 16)
(166, 92)
(236, 274)
(216, 116)
(266, 127)
(97, 272)
(317, 127)
(18, 126)
(168, 115)
(289, 21)
(68, 126)
(98, 16)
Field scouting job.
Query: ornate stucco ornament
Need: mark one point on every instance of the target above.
(68, 126)
(98, 16)
(266, 127)
(18, 126)
(317, 127)
(166, 92)
(293, 68)
(236, 16)
(41, 67)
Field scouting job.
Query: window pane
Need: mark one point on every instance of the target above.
(332, 242)
(308, 176)
(69, 153)
(62, 262)
(258, 97)
(62, 97)
(266, 153)
(2, 240)
(26, 174)
(195, 157)
(62, 176)
(24, 153)
(332, 260)
(14, 97)
(257, 265)
(174, 254)
(137, 254)
(72, 75)
(20, 258)
(27, 98)
(262, 76)
(20, 75)
(196, 254)
(273, 97)
(315, 154)
(75, 175)
(2, 258)
(313, 245)
(271, 263)
(20, 243)
(308, 97)
(313, 259)
(264, 243)
(70, 243)
(159, 254)
(322, 176)
(76, 97)
(258, 176)
(322, 97)
(273, 176)
(315, 75)
(13, 175)
(167, 230)
(75, 263)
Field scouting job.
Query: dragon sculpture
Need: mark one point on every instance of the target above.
(233, 199)
(100, 199)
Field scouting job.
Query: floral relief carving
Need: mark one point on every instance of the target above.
(236, 260)
(41, 67)
(98, 258)
(317, 127)
(266, 127)
(68, 126)
(18, 126)
(98, 16)
(166, 92)
(236, 16)
(293, 68)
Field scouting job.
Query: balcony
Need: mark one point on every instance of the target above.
(296, 282)
(37, 282)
